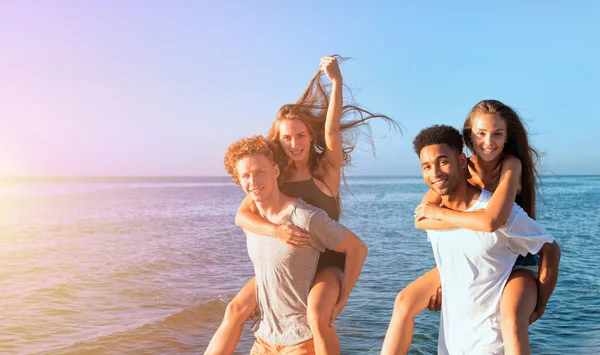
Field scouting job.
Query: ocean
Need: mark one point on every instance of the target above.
(147, 265)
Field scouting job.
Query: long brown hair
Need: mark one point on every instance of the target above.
(311, 109)
(517, 144)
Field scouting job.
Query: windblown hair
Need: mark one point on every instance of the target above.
(517, 144)
(311, 109)
(256, 145)
(438, 134)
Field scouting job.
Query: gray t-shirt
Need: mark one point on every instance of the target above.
(284, 275)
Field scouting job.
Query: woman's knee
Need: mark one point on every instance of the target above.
(320, 309)
(513, 318)
(317, 318)
(513, 325)
(406, 303)
(236, 312)
(322, 298)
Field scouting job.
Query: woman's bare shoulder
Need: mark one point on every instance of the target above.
(511, 161)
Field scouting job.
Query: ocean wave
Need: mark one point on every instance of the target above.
(177, 327)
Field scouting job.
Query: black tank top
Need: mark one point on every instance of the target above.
(308, 191)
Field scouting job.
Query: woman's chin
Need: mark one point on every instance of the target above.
(298, 158)
(488, 157)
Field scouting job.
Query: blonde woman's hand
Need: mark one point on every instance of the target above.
(329, 66)
(291, 235)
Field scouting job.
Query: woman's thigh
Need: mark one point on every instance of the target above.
(325, 290)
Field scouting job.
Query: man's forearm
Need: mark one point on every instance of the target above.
(355, 259)
(548, 271)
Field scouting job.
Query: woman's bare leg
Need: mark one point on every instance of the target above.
(518, 302)
(321, 299)
(237, 313)
(412, 300)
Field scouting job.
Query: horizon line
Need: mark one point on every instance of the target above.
(19, 177)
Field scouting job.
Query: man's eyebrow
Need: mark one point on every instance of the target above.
(441, 156)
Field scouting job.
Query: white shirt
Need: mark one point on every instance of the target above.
(474, 267)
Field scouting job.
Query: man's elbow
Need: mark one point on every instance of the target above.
(363, 250)
(549, 263)
(552, 251)
(238, 219)
(359, 249)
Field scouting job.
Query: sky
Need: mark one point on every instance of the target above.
(157, 88)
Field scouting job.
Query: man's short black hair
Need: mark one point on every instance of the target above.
(438, 134)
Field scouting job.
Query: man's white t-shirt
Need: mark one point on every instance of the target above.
(474, 267)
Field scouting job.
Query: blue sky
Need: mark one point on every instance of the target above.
(162, 88)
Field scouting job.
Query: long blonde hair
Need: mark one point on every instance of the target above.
(311, 109)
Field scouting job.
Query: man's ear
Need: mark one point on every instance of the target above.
(462, 160)
(277, 171)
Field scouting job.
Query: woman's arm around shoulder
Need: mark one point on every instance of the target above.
(497, 210)
(247, 217)
(432, 199)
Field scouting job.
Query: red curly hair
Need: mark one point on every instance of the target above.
(245, 147)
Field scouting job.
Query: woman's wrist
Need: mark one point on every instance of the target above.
(337, 81)
(441, 214)
(274, 230)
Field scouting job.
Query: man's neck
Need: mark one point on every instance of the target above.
(462, 197)
(275, 207)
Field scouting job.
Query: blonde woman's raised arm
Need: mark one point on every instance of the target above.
(333, 137)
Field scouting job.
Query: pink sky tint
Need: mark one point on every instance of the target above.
(80, 97)
(156, 88)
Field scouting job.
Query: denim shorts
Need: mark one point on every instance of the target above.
(529, 262)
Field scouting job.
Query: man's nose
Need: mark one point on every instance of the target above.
(435, 171)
